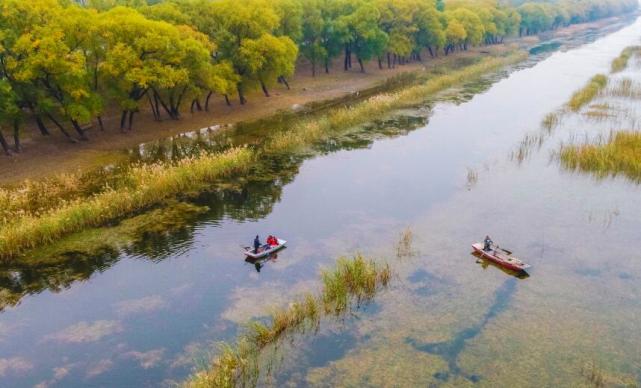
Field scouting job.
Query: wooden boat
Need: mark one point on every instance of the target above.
(500, 257)
(264, 250)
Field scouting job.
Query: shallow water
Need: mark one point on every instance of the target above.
(147, 315)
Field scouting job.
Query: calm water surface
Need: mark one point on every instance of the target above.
(148, 316)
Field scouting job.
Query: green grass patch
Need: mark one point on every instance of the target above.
(353, 280)
(586, 94)
(619, 154)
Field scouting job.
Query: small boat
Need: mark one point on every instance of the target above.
(501, 257)
(264, 250)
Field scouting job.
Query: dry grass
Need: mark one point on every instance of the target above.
(355, 279)
(551, 121)
(586, 94)
(404, 247)
(621, 62)
(309, 131)
(147, 185)
(619, 154)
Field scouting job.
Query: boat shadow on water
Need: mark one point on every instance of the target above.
(485, 263)
(452, 349)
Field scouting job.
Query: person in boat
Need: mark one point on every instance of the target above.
(257, 244)
(272, 241)
(487, 244)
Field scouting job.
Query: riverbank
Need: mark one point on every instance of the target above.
(46, 157)
(35, 214)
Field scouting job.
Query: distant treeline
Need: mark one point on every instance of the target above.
(63, 62)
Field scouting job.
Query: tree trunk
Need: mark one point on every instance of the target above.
(61, 128)
(207, 100)
(41, 126)
(380, 63)
(429, 48)
(241, 96)
(227, 100)
(284, 81)
(16, 136)
(360, 63)
(346, 64)
(389, 61)
(123, 120)
(198, 106)
(193, 104)
(5, 146)
(327, 66)
(100, 124)
(153, 109)
(313, 68)
(79, 130)
(265, 91)
(131, 119)
(164, 106)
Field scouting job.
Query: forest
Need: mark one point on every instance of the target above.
(65, 64)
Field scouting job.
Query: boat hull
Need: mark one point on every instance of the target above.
(511, 263)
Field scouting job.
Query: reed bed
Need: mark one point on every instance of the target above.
(619, 154)
(586, 94)
(625, 88)
(353, 280)
(147, 185)
(621, 62)
(310, 131)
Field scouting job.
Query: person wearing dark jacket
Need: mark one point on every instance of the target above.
(487, 244)
(256, 244)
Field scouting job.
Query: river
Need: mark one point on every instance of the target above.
(150, 314)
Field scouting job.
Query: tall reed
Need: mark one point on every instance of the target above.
(619, 154)
(621, 62)
(309, 131)
(587, 93)
(147, 185)
(355, 279)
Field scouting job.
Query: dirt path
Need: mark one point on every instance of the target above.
(43, 157)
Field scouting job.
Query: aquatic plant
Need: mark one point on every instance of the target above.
(309, 131)
(147, 185)
(621, 62)
(586, 94)
(551, 120)
(353, 279)
(625, 88)
(404, 245)
(619, 154)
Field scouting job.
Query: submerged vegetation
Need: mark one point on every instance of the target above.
(619, 154)
(586, 94)
(38, 213)
(621, 62)
(353, 280)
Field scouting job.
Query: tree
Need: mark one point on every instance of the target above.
(359, 31)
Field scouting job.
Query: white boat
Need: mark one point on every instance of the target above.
(264, 250)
